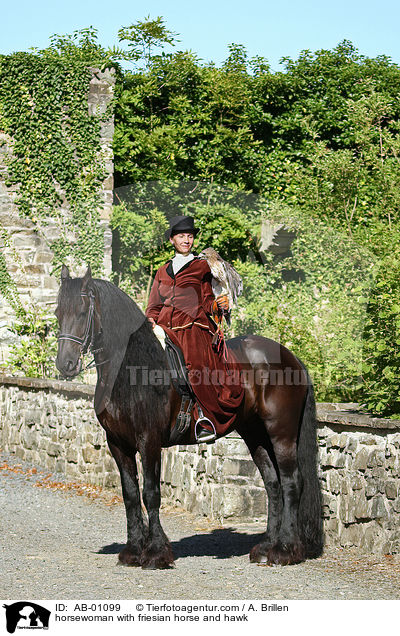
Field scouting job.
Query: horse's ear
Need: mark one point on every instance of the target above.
(64, 272)
(87, 277)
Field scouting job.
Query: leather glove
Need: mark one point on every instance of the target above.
(222, 302)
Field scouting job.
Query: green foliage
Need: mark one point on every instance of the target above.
(34, 355)
(381, 367)
(322, 136)
(180, 119)
(56, 155)
(8, 288)
(137, 240)
(312, 302)
(146, 35)
(354, 188)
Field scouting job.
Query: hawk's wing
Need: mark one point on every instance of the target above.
(227, 280)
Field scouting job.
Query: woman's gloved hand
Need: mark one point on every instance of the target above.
(222, 302)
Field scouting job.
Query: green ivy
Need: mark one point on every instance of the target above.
(55, 158)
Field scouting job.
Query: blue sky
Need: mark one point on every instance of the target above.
(269, 28)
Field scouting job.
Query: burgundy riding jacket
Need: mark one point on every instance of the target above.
(181, 303)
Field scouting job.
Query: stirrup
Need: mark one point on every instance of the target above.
(204, 435)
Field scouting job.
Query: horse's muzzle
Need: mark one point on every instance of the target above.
(69, 368)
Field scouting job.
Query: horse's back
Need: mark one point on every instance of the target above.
(254, 351)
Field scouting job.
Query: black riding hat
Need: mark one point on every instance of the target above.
(180, 224)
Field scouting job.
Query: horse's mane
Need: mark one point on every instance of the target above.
(123, 322)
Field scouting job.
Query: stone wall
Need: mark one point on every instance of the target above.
(25, 245)
(52, 424)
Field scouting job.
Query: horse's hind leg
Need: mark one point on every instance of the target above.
(289, 548)
(261, 451)
(277, 463)
(136, 531)
(158, 552)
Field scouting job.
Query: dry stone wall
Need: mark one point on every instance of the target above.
(52, 424)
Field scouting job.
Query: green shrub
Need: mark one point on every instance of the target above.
(34, 356)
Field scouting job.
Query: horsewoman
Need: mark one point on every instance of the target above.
(182, 302)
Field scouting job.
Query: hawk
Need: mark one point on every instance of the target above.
(225, 279)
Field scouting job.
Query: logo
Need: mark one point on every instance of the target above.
(26, 615)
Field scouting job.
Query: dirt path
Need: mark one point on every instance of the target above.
(60, 541)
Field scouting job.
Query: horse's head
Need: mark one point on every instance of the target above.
(77, 317)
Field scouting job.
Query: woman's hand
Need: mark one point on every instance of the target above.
(222, 302)
(152, 322)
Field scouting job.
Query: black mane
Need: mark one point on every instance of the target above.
(126, 330)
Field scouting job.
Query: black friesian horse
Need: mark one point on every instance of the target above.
(138, 411)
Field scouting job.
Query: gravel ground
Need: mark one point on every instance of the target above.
(60, 540)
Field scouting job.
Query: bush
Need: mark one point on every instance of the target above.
(313, 302)
(381, 368)
(34, 356)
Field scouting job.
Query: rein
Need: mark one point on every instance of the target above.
(86, 342)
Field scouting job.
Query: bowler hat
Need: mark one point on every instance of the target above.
(180, 224)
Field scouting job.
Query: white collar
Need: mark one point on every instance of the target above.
(180, 260)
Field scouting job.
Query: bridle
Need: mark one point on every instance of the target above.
(87, 341)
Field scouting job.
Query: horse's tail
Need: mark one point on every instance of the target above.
(310, 506)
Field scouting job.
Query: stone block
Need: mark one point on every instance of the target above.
(229, 501)
(391, 489)
(239, 466)
(376, 458)
(340, 461)
(346, 509)
(332, 527)
(30, 438)
(328, 460)
(361, 459)
(378, 508)
(54, 449)
(72, 455)
(212, 464)
(356, 482)
(369, 440)
(32, 416)
(361, 507)
(230, 446)
(89, 454)
(350, 536)
(43, 257)
(333, 482)
(333, 441)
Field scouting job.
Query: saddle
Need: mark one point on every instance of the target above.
(181, 383)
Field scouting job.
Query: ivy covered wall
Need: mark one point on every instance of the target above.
(56, 180)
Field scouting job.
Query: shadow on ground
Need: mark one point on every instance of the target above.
(220, 543)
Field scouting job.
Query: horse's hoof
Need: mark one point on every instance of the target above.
(257, 556)
(277, 554)
(286, 555)
(157, 560)
(128, 558)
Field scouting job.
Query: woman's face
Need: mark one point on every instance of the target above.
(182, 242)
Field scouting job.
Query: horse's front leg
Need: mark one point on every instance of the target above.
(157, 553)
(136, 530)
